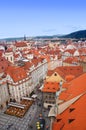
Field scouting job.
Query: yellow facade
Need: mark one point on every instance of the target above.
(55, 77)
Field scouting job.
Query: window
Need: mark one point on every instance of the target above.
(11, 58)
(71, 109)
(70, 120)
(55, 74)
(58, 120)
(50, 96)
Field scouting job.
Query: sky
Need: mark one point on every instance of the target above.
(41, 17)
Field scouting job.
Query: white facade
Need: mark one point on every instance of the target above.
(39, 73)
(9, 56)
(54, 63)
(4, 95)
(19, 89)
(76, 53)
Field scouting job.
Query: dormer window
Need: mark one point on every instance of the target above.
(71, 109)
(70, 120)
(58, 120)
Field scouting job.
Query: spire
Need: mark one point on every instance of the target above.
(24, 37)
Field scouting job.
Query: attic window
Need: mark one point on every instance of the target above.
(71, 109)
(55, 74)
(58, 120)
(70, 120)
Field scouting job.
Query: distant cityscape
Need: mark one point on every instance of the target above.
(43, 83)
(81, 34)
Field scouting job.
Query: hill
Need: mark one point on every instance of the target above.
(77, 35)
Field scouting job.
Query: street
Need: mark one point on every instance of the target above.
(28, 122)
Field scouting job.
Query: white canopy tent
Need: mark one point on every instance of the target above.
(16, 105)
(27, 98)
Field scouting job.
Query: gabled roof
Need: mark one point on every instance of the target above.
(16, 73)
(50, 87)
(74, 88)
(73, 117)
(71, 70)
(55, 77)
(71, 60)
(67, 71)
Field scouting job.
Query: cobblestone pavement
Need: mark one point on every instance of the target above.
(28, 122)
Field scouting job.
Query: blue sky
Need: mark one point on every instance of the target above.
(41, 17)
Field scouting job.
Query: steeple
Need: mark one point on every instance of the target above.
(24, 37)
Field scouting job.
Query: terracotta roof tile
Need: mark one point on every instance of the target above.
(50, 87)
(71, 60)
(16, 73)
(3, 64)
(73, 117)
(75, 87)
(21, 44)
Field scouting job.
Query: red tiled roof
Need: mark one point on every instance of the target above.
(73, 117)
(69, 77)
(1, 52)
(71, 51)
(75, 87)
(47, 57)
(16, 73)
(3, 64)
(50, 87)
(27, 65)
(71, 60)
(50, 72)
(20, 44)
(9, 50)
(67, 71)
(71, 70)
